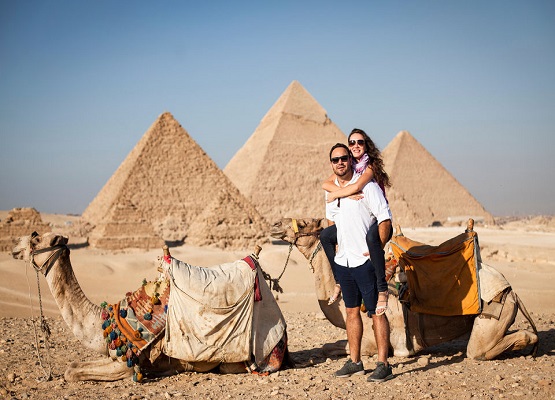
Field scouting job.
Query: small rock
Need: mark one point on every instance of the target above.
(498, 378)
(11, 377)
(423, 361)
(167, 395)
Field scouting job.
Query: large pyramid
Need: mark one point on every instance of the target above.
(281, 167)
(422, 190)
(169, 190)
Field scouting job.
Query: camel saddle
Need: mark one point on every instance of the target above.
(212, 314)
(441, 280)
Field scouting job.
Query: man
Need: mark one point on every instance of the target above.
(353, 267)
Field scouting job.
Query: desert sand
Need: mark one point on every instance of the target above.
(524, 251)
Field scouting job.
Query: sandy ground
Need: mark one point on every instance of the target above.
(525, 254)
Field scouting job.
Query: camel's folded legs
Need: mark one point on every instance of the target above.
(489, 336)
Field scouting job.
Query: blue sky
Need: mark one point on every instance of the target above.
(82, 81)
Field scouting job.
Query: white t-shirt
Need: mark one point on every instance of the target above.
(353, 218)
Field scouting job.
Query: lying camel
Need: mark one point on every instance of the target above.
(49, 254)
(411, 332)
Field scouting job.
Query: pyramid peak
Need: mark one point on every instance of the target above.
(296, 100)
(404, 134)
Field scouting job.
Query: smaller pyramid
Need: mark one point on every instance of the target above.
(422, 190)
(165, 190)
(281, 166)
(20, 222)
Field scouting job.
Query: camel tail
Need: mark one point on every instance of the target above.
(524, 311)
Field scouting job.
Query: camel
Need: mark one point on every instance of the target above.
(411, 332)
(49, 254)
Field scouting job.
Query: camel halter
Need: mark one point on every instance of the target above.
(56, 251)
(298, 235)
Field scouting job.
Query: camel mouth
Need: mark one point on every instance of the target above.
(277, 231)
(21, 245)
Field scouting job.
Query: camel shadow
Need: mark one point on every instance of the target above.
(308, 358)
(547, 343)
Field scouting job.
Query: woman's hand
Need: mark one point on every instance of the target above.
(331, 197)
(356, 196)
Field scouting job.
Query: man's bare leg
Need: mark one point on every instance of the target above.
(381, 333)
(354, 332)
(353, 366)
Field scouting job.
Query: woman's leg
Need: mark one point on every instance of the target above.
(328, 238)
(377, 256)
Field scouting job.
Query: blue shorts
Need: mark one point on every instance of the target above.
(358, 284)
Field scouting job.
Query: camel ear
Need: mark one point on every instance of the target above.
(35, 238)
(322, 223)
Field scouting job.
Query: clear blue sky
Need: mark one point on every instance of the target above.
(82, 81)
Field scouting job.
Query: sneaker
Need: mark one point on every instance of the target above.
(350, 368)
(381, 373)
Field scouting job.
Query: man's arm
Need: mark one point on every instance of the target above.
(383, 229)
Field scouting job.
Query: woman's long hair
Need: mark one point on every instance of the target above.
(375, 159)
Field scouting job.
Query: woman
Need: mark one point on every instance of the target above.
(369, 164)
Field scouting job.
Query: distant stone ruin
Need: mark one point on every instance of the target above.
(20, 222)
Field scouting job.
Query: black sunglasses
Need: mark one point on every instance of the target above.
(360, 142)
(335, 160)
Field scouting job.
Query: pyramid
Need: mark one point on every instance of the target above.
(422, 190)
(281, 167)
(166, 185)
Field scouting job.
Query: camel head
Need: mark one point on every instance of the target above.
(39, 249)
(301, 231)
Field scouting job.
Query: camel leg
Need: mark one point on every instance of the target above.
(104, 369)
(488, 338)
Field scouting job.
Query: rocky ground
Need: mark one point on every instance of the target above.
(440, 372)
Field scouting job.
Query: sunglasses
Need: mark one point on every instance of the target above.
(335, 160)
(360, 142)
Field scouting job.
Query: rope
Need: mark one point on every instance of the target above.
(316, 250)
(44, 328)
(274, 282)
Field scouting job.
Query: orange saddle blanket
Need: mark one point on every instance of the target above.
(443, 279)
